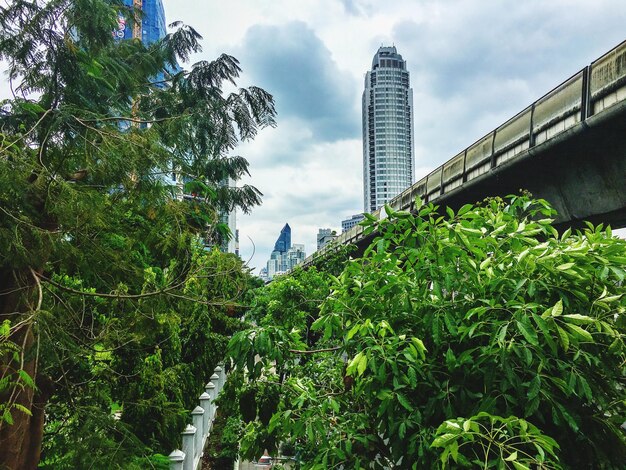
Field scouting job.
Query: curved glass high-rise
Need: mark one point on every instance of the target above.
(388, 158)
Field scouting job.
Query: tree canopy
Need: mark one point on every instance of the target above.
(481, 338)
(113, 312)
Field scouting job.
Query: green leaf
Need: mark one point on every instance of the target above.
(527, 331)
(28, 381)
(353, 331)
(362, 364)
(564, 337)
(6, 417)
(578, 319)
(502, 333)
(23, 409)
(419, 345)
(32, 107)
(5, 328)
(450, 323)
(579, 332)
(520, 466)
(534, 387)
(565, 266)
(443, 440)
(404, 402)
(511, 457)
(354, 363)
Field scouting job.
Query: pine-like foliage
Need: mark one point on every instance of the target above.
(112, 305)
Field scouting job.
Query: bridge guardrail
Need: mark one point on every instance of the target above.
(608, 79)
(559, 110)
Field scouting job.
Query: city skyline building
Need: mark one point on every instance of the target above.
(387, 112)
(324, 237)
(284, 257)
(152, 26)
(347, 224)
(283, 243)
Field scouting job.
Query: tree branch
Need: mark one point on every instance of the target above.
(314, 351)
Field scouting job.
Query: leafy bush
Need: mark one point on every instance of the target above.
(465, 318)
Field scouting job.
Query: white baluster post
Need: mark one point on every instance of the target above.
(218, 371)
(189, 435)
(212, 391)
(197, 417)
(222, 375)
(216, 380)
(205, 403)
(177, 458)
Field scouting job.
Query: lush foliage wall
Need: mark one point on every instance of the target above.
(479, 339)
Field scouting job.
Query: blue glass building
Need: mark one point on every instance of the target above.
(284, 240)
(285, 255)
(153, 26)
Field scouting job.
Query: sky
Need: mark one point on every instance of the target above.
(473, 64)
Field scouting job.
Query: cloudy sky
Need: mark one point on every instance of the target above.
(473, 64)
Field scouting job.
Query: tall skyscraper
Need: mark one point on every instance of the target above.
(388, 158)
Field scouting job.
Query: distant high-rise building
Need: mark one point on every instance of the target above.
(152, 28)
(324, 237)
(284, 256)
(347, 224)
(388, 161)
(284, 240)
(295, 255)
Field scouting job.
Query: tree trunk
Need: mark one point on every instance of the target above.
(20, 442)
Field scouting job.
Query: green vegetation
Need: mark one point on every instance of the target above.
(478, 339)
(112, 311)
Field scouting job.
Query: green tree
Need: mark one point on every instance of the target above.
(108, 298)
(482, 338)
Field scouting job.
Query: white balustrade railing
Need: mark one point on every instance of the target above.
(196, 435)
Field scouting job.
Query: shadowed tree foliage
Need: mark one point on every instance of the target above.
(109, 305)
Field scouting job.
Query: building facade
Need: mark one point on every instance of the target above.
(324, 237)
(347, 224)
(283, 243)
(153, 24)
(388, 158)
(150, 29)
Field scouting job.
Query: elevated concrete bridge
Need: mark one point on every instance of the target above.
(568, 147)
